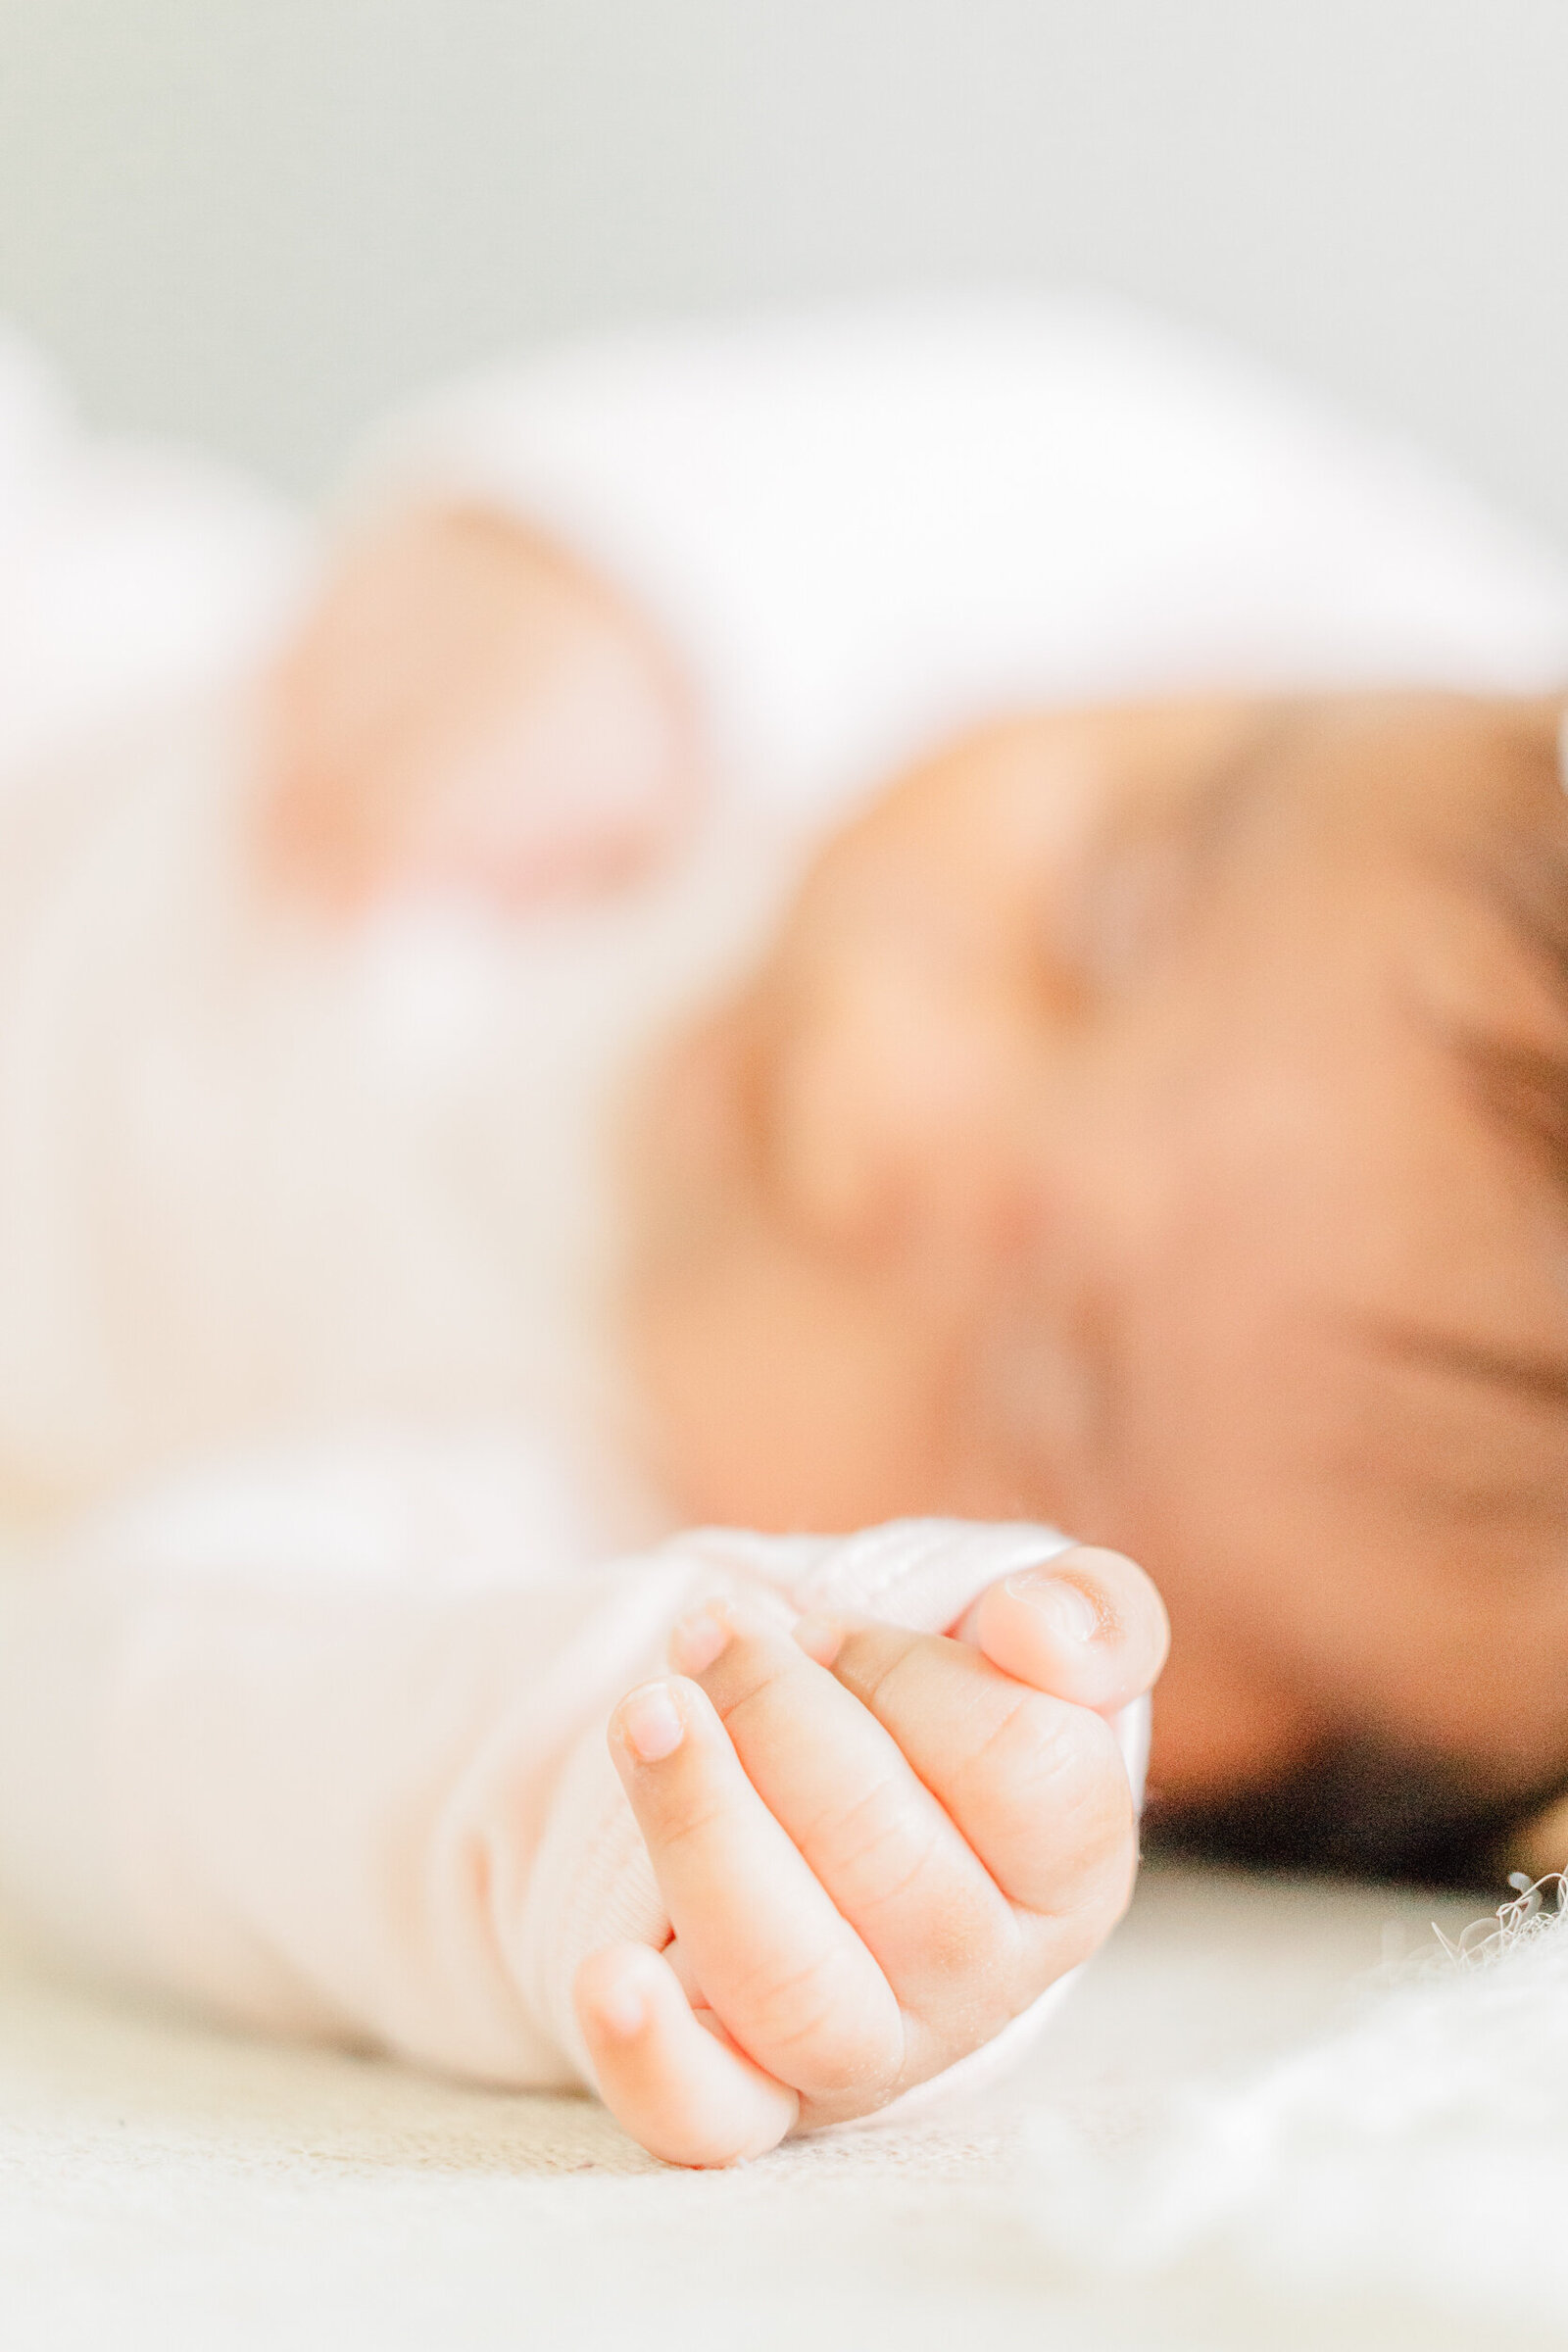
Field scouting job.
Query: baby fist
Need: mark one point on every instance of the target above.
(877, 1847)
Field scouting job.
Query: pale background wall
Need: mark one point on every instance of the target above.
(256, 220)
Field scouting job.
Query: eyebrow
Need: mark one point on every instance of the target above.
(1202, 823)
(1208, 821)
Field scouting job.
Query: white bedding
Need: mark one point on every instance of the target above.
(162, 2185)
(1238, 2135)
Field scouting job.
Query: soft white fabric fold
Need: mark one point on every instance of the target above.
(865, 528)
(367, 1796)
(323, 1747)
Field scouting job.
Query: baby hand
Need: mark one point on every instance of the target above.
(468, 708)
(877, 1847)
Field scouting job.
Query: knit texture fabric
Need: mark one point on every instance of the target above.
(1263, 2119)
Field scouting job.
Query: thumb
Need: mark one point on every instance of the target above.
(1086, 1624)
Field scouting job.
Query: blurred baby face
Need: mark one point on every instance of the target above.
(1095, 1144)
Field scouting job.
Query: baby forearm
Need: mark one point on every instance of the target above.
(307, 1791)
(277, 1800)
(363, 1806)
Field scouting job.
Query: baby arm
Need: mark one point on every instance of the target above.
(370, 1796)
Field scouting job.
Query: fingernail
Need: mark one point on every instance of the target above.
(821, 1638)
(697, 1640)
(1066, 1607)
(650, 1723)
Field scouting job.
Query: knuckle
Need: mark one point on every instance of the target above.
(870, 1847)
(885, 1863)
(1047, 1752)
(751, 1679)
(1079, 1929)
(871, 1662)
(1050, 1762)
(812, 2025)
(690, 1816)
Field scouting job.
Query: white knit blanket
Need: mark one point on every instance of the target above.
(1264, 2119)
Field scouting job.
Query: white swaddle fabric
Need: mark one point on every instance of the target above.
(320, 1742)
(249, 1186)
(1411, 2160)
(867, 528)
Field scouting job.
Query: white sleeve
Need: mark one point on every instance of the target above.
(866, 529)
(367, 1796)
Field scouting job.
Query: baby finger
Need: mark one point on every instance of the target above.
(674, 2086)
(1037, 1787)
(785, 1972)
(1086, 1624)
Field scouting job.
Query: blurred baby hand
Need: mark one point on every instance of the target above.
(467, 709)
(875, 1847)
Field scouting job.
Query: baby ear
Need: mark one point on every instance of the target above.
(1085, 1625)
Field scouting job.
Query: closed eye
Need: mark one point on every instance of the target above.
(1537, 1375)
(1475, 1430)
